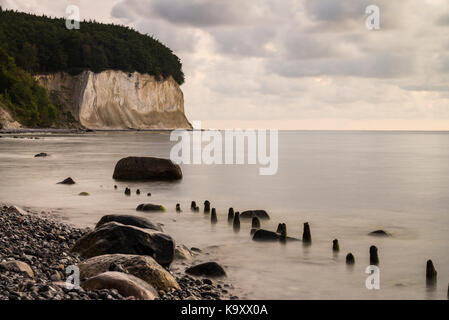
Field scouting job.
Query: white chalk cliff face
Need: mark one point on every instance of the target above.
(118, 100)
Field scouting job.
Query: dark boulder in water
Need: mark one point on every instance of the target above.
(249, 214)
(114, 237)
(208, 269)
(265, 235)
(129, 220)
(146, 168)
(379, 233)
(39, 155)
(150, 207)
(67, 181)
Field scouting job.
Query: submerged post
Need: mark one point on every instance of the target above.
(306, 236)
(283, 237)
(431, 273)
(279, 229)
(373, 256)
(236, 222)
(213, 216)
(206, 206)
(255, 223)
(230, 215)
(335, 245)
(350, 259)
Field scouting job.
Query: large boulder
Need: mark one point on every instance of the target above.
(114, 237)
(126, 284)
(17, 266)
(207, 269)
(146, 168)
(249, 214)
(265, 235)
(142, 267)
(129, 220)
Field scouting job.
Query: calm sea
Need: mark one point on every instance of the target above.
(345, 184)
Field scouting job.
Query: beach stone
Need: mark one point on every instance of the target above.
(265, 235)
(16, 210)
(67, 181)
(208, 269)
(129, 220)
(150, 207)
(146, 168)
(127, 285)
(114, 237)
(42, 154)
(17, 266)
(142, 267)
(183, 253)
(249, 214)
(379, 233)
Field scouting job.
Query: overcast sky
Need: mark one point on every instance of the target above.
(295, 64)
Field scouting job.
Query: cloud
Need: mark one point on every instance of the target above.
(295, 59)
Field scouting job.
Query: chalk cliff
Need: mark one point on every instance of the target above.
(118, 100)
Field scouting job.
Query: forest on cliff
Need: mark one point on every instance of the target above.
(31, 44)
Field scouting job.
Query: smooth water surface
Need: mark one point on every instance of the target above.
(345, 184)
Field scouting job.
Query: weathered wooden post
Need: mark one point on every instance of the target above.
(373, 256)
(306, 236)
(213, 216)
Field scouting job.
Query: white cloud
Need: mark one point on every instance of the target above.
(295, 59)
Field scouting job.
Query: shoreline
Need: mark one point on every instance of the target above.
(36, 250)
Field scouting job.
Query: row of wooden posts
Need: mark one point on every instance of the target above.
(234, 219)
